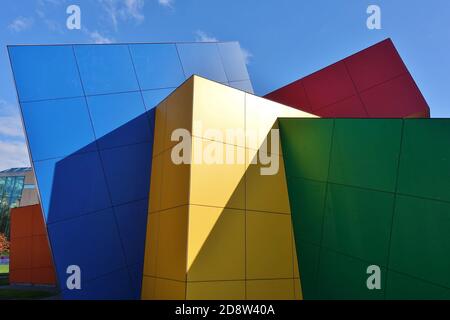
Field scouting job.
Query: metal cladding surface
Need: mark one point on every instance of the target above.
(370, 192)
(373, 83)
(88, 113)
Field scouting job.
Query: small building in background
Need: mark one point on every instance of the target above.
(21, 220)
(17, 189)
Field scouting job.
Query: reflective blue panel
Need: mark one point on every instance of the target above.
(132, 222)
(113, 286)
(153, 98)
(202, 59)
(72, 186)
(119, 119)
(127, 172)
(245, 85)
(152, 117)
(92, 242)
(45, 72)
(157, 65)
(233, 61)
(136, 273)
(57, 128)
(80, 181)
(106, 68)
(44, 171)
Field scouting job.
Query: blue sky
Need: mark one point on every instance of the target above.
(283, 40)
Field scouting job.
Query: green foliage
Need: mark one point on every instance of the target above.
(4, 269)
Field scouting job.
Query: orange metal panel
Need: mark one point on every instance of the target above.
(30, 255)
(21, 222)
(20, 276)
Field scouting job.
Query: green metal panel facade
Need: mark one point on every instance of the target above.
(370, 192)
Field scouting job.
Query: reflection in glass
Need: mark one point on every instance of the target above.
(233, 61)
(157, 65)
(45, 72)
(202, 59)
(106, 69)
(10, 195)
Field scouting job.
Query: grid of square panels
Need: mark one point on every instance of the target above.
(228, 223)
(372, 83)
(370, 192)
(89, 116)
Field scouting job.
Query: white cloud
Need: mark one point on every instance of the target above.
(11, 127)
(166, 3)
(201, 36)
(13, 151)
(98, 38)
(10, 122)
(20, 24)
(54, 26)
(247, 55)
(41, 12)
(134, 8)
(124, 10)
(8, 108)
(53, 2)
(13, 155)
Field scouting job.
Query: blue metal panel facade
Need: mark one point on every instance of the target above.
(88, 112)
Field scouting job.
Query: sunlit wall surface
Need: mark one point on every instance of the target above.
(219, 230)
(88, 115)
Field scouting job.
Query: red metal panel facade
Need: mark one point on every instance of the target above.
(373, 83)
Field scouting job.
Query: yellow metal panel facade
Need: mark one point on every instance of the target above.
(216, 245)
(217, 227)
(276, 289)
(217, 108)
(217, 184)
(216, 290)
(269, 246)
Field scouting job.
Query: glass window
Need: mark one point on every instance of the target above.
(17, 192)
(9, 198)
(157, 65)
(2, 186)
(45, 72)
(8, 188)
(106, 69)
